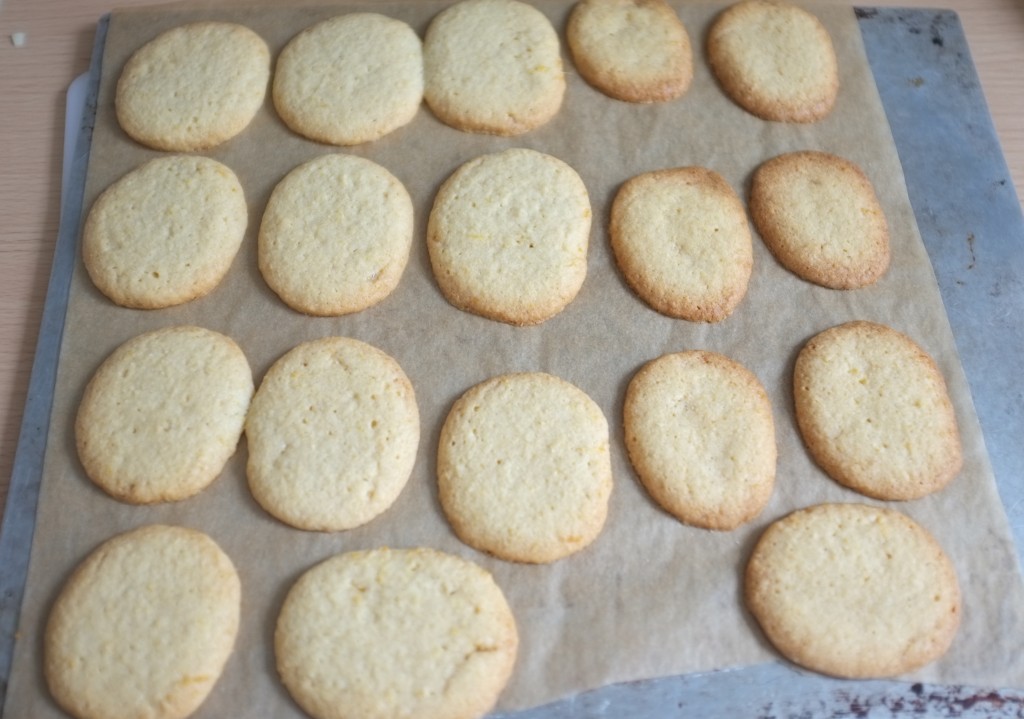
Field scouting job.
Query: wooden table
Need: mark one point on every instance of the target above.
(56, 42)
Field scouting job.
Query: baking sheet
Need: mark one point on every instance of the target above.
(651, 597)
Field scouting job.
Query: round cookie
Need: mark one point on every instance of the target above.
(350, 79)
(165, 233)
(193, 87)
(632, 50)
(143, 627)
(336, 235)
(163, 414)
(493, 66)
(682, 241)
(700, 435)
(508, 236)
(874, 412)
(775, 60)
(332, 435)
(523, 467)
(820, 217)
(395, 633)
(853, 591)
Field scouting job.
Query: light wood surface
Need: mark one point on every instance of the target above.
(56, 48)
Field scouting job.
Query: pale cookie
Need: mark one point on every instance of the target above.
(700, 434)
(632, 50)
(395, 633)
(350, 79)
(775, 60)
(853, 591)
(682, 241)
(820, 217)
(332, 435)
(493, 66)
(336, 235)
(523, 468)
(163, 414)
(193, 87)
(165, 233)
(508, 236)
(875, 413)
(143, 627)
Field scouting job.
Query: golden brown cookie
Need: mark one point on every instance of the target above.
(853, 591)
(874, 412)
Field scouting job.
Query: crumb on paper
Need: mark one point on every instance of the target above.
(18, 39)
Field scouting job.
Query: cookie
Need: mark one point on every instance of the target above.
(853, 591)
(163, 413)
(493, 66)
(523, 467)
(336, 235)
(700, 435)
(166, 233)
(682, 241)
(632, 50)
(193, 87)
(874, 412)
(820, 217)
(395, 633)
(508, 236)
(350, 79)
(332, 435)
(775, 60)
(143, 627)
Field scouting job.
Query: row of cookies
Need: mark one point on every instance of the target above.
(490, 66)
(507, 236)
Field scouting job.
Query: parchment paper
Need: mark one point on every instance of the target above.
(651, 597)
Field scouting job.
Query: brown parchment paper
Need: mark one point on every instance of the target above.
(651, 597)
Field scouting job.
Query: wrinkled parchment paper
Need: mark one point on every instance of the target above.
(651, 597)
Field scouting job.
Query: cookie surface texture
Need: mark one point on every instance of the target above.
(165, 233)
(632, 50)
(493, 66)
(700, 435)
(775, 60)
(508, 236)
(682, 241)
(395, 633)
(336, 235)
(193, 87)
(143, 627)
(163, 413)
(874, 412)
(523, 468)
(853, 591)
(350, 79)
(332, 435)
(819, 215)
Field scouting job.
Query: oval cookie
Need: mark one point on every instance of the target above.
(632, 50)
(336, 235)
(682, 241)
(700, 434)
(874, 412)
(143, 627)
(853, 591)
(332, 435)
(193, 87)
(163, 414)
(165, 233)
(820, 217)
(395, 632)
(775, 60)
(493, 66)
(350, 79)
(523, 468)
(508, 236)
